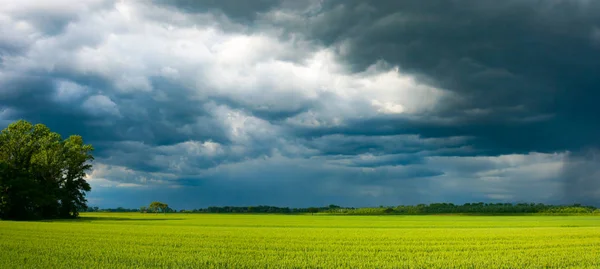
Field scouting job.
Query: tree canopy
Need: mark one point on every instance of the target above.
(158, 206)
(42, 175)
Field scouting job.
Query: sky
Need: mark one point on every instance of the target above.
(309, 103)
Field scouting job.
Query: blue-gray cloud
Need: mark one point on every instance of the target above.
(315, 102)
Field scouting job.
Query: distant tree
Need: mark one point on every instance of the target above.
(313, 210)
(143, 209)
(388, 210)
(158, 207)
(154, 206)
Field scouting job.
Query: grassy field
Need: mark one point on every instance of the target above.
(123, 240)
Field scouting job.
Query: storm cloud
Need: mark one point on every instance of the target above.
(300, 103)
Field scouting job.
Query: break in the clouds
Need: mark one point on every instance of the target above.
(301, 103)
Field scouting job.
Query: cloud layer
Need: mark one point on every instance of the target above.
(314, 102)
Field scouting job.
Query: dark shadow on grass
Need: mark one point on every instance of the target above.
(91, 219)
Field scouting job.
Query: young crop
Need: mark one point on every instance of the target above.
(105, 240)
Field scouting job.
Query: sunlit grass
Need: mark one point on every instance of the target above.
(120, 240)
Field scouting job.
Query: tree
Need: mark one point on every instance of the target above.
(76, 163)
(143, 209)
(313, 210)
(158, 206)
(41, 175)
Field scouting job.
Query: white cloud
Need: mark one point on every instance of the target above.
(260, 71)
(53, 8)
(68, 91)
(106, 176)
(387, 107)
(100, 105)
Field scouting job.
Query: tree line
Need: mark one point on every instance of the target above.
(154, 207)
(469, 208)
(421, 209)
(41, 174)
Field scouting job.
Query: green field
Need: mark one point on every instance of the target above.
(123, 240)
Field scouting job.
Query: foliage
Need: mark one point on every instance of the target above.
(469, 208)
(42, 175)
(158, 207)
(118, 209)
(126, 240)
(421, 209)
(142, 209)
(243, 209)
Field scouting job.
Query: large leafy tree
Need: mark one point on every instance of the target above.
(42, 175)
(158, 206)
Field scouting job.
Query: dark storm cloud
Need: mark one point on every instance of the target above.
(237, 10)
(238, 111)
(285, 182)
(30, 97)
(346, 143)
(53, 19)
(525, 71)
(494, 136)
(267, 113)
(150, 121)
(581, 177)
